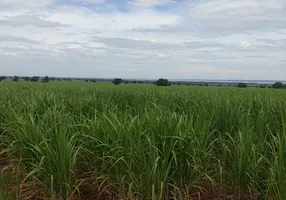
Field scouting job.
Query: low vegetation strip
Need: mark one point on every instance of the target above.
(78, 140)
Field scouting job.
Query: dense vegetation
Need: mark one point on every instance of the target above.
(66, 139)
(117, 81)
(162, 82)
(242, 85)
(278, 85)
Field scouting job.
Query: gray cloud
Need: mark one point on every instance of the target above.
(222, 16)
(15, 39)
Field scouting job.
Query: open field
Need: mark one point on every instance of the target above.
(75, 140)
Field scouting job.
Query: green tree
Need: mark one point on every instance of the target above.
(26, 78)
(15, 78)
(242, 85)
(162, 82)
(117, 81)
(35, 78)
(278, 85)
(2, 78)
(46, 79)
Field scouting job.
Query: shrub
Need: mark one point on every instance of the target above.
(26, 78)
(278, 85)
(35, 79)
(162, 82)
(46, 79)
(15, 78)
(242, 85)
(117, 81)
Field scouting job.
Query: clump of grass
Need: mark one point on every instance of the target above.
(48, 149)
(4, 189)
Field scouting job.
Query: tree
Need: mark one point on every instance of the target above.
(46, 79)
(2, 78)
(35, 78)
(26, 78)
(242, 85)
(15, 78)
(162, 82)
(277, 85)
(117, 81)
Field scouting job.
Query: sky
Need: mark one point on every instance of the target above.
(175, 39)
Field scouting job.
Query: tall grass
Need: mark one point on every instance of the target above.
(144, 142)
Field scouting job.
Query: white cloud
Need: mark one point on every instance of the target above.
(96, 1)
(239, 15)
(245, 44)
(242, 9)
(114, 21)
(229, 39)
(150, 3)
(9, 53)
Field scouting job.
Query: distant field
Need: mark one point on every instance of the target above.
(77, 140)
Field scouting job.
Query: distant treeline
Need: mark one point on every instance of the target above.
(159, 82)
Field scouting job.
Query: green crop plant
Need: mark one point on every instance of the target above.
(145, 142)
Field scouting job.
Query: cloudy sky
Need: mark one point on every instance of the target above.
(178, 39)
